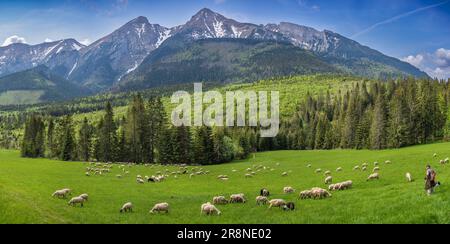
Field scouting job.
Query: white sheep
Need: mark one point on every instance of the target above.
(248, 176)
(409, 177)
(319, 193)
(140, 181)
(220, 200)
(339, 169)
(77, 200)
(237, 198)
(356, 168)
(318, 171)
(284, 174)
(288, 190)
(60, 194)
(127, 207)
(309, 166)
(376, 169)
(85, 196)
(373, 176)
(327, 173)
(328, 180)
(375, 163)
(388, 162)
(160, 207)
(279, 203)
(209, 209)
(260, 200)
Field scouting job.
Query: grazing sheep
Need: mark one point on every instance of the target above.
(248, 176)
(319, 193)
(88, 174)
(388, 162)
(356, 168)
(77, 200)
(328, 180)
(376, 169)
(237, 198)
(278, 203)
(341, 186)
(220, 200)
(284, 174)
(209, 209)
(435, 155)
(127, 207)
(365, 165)
(375, 163)
(305, 194)
(119, 176)
(85, 196)
(290, 206)
(60, 194)
(327, 173)
(373, 176)
(140, 181)
(309, 166)
(288, 190)
(260, 200)
(409, 177)
(160, 207)
(364, 168)
(264, 192)
(318, 171)
(442, 161)
(68, 191)
(339, 169)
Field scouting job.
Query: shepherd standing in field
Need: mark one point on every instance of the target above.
(430, 180)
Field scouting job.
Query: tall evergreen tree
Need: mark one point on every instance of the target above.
(85, 140)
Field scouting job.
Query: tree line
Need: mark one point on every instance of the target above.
(142, 136)
(370, 115)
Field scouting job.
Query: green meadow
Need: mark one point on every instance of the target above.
(26, 186)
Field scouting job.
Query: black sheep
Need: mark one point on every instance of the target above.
(264, 193)
(290, 206)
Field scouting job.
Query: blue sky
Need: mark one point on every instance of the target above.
(417, 31)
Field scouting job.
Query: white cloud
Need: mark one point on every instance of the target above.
(13, 39)
(414, 60)
(86, 42)
(436, 64)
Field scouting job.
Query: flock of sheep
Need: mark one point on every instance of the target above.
(210, 208)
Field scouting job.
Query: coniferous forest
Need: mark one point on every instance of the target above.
(369, 115)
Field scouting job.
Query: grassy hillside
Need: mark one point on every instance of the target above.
(222, 61)
(21, 97)
(26, 186)
(297, 85)
(37, 85)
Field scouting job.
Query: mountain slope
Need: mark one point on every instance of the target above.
(105, 61)
(345, 53)
(222, 61)
(37, 85)
(59, 56)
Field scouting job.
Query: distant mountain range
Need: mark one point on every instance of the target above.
(209, 47)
